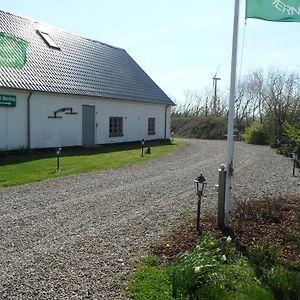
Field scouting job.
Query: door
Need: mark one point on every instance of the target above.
(88, 124)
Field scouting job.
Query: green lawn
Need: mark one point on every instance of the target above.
(18, 169)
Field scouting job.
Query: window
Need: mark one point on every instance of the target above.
(48, 39)
(151, 126)
(115, 126)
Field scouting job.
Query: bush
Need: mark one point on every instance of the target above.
(256, 134)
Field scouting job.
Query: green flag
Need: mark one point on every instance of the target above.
(12, 51)
(274, 10)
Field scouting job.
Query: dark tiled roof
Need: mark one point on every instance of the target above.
(81, 66)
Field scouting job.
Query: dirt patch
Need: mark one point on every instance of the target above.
(270, 221)
(177, 243)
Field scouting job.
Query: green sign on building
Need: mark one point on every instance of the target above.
(12, 51)
(8, 100)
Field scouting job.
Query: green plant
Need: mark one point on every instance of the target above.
(151, 261)
(215, 270)
(256, 134)
(292, 238)
(151, 283)
(263, 257)
(195, 268)
(270, 215)
(293, 132)
(284, 284)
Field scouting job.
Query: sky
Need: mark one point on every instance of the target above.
(179, 44)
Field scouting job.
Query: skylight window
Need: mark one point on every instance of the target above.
(48, 40)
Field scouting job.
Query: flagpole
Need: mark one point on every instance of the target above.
(230, 130)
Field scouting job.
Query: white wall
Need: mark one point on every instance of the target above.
(67, 131)
(168, 133)
(47, 132)
(135, 120)
(13, 122)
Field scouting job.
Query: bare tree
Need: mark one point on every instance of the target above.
(282, 97)
(272, 96)
(194, 105)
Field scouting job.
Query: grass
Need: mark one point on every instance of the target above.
(151, 281)
(40, 165)
(283, 283)
(256, 265)
(212, 270)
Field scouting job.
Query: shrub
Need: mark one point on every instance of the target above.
(293, 133)
(256, 134)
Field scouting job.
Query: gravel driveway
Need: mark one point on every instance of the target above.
(76, 237)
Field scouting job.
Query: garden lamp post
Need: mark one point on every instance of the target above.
(142, 145)
(58, 153)
(200, 183)
(277, 145)
(295, 157)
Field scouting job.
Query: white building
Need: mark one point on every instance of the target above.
(59, 89)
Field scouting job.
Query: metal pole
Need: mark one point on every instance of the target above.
(221, 196)
(198, 215)
(230, 142)
(215, 79)
(142, 145)
(58, 166)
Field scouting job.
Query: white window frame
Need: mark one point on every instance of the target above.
(115, 126)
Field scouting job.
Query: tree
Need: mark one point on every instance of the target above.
(271, 98)
(293, 132)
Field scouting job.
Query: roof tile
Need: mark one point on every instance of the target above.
(81, 66)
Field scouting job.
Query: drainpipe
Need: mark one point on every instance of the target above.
(166, 115)
(28, 120)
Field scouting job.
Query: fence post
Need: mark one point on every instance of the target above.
(221, 197)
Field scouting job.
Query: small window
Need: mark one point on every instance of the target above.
(48, 39)
(115, 126)
(151, 126)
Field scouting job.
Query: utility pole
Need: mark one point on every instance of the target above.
(215, 79)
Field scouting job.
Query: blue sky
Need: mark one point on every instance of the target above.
(180, 44)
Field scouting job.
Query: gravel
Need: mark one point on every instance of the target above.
(77, 237)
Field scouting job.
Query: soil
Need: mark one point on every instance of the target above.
(270, 221)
